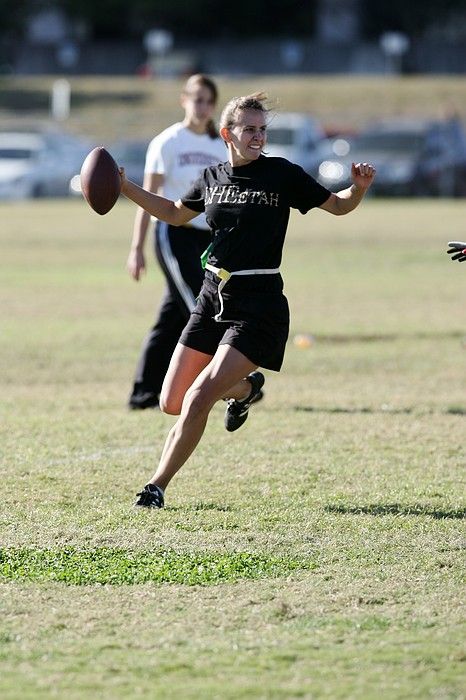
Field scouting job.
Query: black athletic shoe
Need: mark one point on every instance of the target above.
(138, 402)
(150, 497)
(258, 397)
(237, 411)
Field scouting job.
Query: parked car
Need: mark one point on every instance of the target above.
(130, 154)
(294, 136)
(36, 164)
(423, 158)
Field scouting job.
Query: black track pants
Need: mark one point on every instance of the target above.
(178, 250)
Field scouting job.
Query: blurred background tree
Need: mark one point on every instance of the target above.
(411, 18)
(209, 18)
(202, 18)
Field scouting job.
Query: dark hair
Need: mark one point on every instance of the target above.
(201, 80)
(238, 104)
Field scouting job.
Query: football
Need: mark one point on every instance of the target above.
(100, 180)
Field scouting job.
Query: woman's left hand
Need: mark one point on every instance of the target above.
(457, 250)
(362, 175)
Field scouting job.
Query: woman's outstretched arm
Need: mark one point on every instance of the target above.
(174, 213)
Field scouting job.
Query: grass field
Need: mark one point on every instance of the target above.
(317, 553)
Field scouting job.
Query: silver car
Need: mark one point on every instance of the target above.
(35, 164)
(412, 157)
(131, 154)
(294, 136)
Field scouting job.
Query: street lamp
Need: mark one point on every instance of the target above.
(394, 45)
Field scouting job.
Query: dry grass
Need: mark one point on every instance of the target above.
(353, 463)
(140, 108)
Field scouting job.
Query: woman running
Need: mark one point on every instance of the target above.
(241, 319)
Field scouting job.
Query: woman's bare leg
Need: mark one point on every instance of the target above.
(227, 369)
(185, 366)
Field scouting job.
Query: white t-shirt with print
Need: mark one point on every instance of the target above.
(180, 156)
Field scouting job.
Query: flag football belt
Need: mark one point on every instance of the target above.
(224, 276)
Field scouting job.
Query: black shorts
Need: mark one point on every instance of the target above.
(256, 314)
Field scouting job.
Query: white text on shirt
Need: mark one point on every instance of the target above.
(231, 194)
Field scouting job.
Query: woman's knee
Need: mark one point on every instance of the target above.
(197, 402)
(170, 404)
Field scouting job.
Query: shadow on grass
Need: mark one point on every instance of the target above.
(80, 99)
(386, 337)
(223, 508)
(399, 509)
(387, 410)
(456, 410)
(359, 409)
(22, 100)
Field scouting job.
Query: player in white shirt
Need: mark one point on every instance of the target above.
(174, 160)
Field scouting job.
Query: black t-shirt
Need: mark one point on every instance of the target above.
(248, 208)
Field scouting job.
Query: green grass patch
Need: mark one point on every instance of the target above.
(121, 567)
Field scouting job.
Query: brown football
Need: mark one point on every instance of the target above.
(100, 180)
